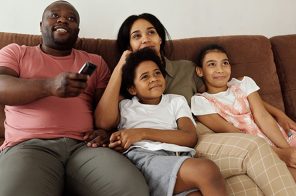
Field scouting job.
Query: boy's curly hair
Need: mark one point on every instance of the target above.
(132, 62)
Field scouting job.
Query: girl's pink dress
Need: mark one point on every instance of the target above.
(240, 115)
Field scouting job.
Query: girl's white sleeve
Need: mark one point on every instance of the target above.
(201, 106)
(248, 85)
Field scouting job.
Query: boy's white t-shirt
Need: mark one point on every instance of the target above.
(162, 116)
(201, 106)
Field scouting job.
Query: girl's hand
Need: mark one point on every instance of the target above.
(288, 155)
(127, 137)
(286, 122)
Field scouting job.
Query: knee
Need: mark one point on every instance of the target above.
(257, 145)
(209, 171)
(130, 184)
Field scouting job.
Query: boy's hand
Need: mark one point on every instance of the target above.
(116, 145)
(126, 137)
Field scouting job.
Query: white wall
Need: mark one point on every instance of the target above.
(182, 18)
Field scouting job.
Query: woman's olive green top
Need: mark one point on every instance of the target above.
(181, 78)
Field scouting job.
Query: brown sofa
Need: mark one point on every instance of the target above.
(269, 61)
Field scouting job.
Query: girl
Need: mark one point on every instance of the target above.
(235, 105)
(158, 133)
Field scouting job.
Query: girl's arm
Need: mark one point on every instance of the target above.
(265, 121)
(217, 124)
(108, 104)
(184, 136)
(283, 120)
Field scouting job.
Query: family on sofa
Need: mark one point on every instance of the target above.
(58, 122)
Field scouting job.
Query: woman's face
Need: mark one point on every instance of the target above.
(142, 35)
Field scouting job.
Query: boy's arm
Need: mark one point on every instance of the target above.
(217, 124)
(265, 121)
(184, 136)
(283, 120)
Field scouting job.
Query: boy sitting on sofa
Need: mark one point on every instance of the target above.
(158, 134)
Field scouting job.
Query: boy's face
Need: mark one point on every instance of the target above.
(216, 71)
(149, 83)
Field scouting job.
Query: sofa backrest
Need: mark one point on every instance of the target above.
(249, 55)
(284, 50)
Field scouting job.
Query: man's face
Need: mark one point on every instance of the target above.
(60, 26)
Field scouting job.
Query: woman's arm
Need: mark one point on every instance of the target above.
(107, 110)
(265, 121)
(184, 136)
(283, 120)
(218, 124)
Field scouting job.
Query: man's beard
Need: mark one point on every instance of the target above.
(60, 44)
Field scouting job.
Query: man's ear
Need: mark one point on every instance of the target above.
(132, 90)
(40, 24)
(199, 71)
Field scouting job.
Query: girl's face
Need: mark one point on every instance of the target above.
(142, 35)
(216, 71)
(149, 83)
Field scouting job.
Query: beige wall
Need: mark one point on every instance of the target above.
(182, 18)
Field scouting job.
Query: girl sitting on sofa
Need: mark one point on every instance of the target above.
(235, 105)
(157, 131)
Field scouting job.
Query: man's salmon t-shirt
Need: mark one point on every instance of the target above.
(51, 117)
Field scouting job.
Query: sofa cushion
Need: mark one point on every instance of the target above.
(284, 49)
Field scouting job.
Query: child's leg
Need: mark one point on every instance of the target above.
(202, 174)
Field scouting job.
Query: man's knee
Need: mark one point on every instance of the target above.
(30, 172)
(104, 172)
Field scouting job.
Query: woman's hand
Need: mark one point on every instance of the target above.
(97, 138)
(122, 59)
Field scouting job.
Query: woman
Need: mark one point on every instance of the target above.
(145, 30)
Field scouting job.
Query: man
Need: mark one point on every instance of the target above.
(49, 113)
